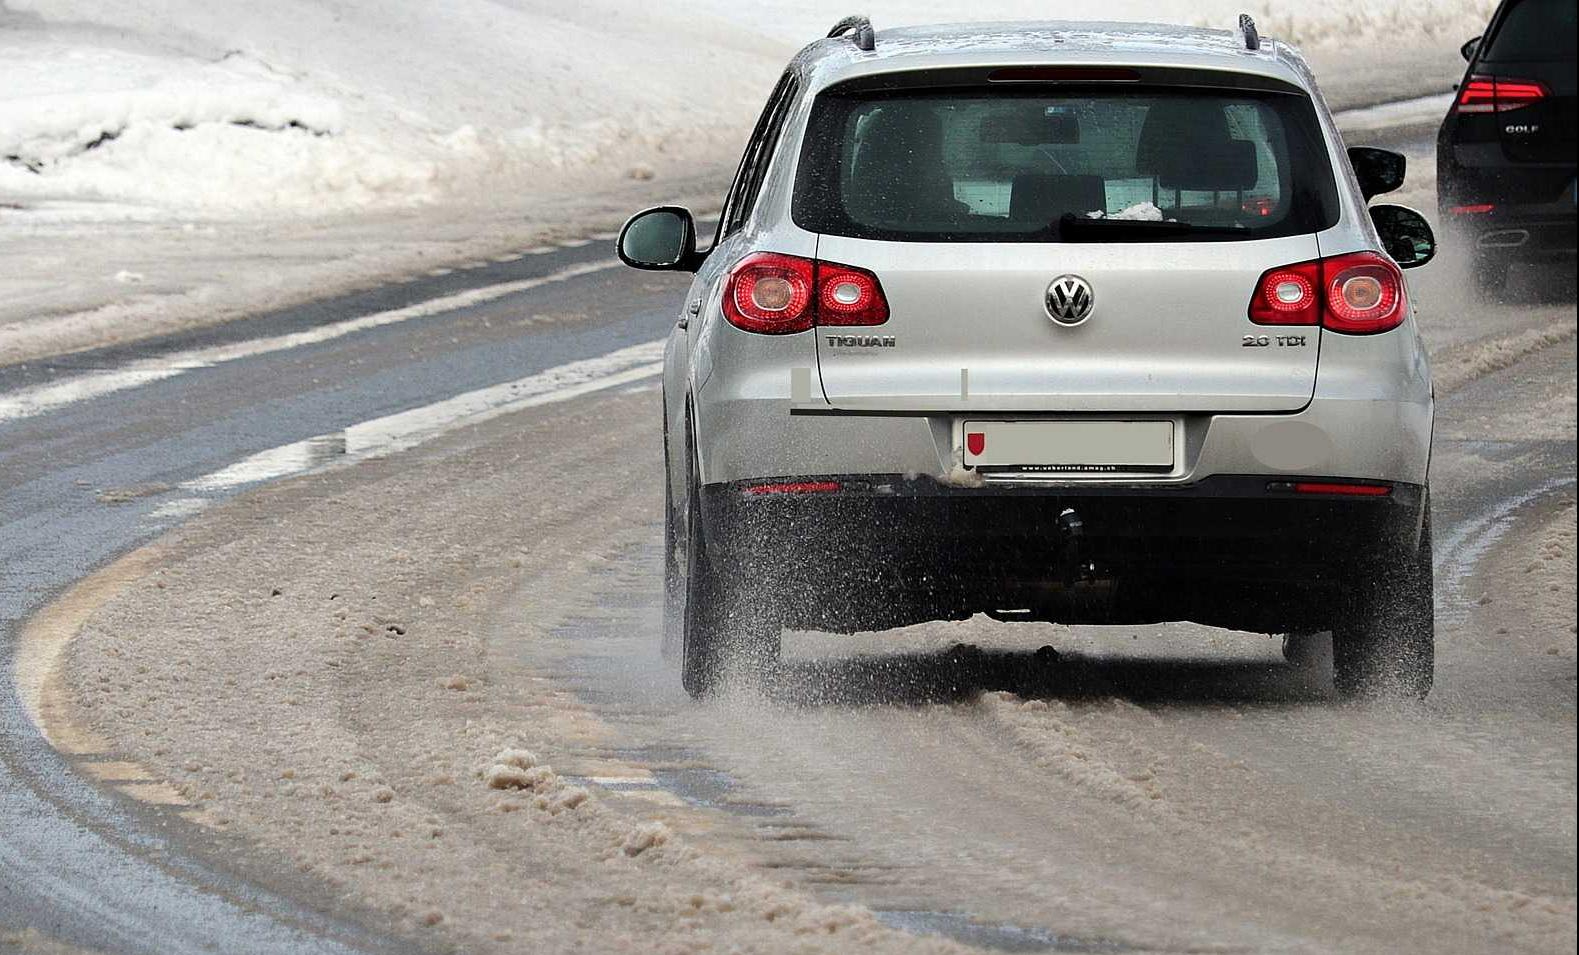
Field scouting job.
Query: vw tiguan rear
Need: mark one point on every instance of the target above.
(1080, 323)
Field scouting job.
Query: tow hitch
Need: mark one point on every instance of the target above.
(1072, 560)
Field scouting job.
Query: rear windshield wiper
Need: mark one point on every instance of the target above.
(1073, 228)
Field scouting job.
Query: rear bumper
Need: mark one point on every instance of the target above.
(1369, 418)
(1516, 236)
(1533, 214)
(886, 550)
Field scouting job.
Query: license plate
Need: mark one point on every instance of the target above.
(1059, 447)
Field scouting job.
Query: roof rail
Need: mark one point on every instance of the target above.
(1247, 29)
(865, 38)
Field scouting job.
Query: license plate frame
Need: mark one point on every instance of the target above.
(1071, 447)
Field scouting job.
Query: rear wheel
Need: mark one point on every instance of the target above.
(725, 633)
(1385, 645)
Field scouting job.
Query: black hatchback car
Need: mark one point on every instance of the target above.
(1506, 153)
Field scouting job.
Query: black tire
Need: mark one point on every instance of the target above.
(1384, 647)
(726, 631)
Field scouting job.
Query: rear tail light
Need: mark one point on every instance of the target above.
(1497, 94)
(1341, 489)
(1360, 294)
(849, 296)
(773, 294)
(1288, 296)
(794, 487)
(770, 294)
(1473, 209)
(1365, 293)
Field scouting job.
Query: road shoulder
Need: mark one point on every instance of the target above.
(310, 670)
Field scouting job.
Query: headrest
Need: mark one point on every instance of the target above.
(1043, 198)
(896, 135)
(1187, 145)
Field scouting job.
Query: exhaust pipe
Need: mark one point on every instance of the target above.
(1504, 239)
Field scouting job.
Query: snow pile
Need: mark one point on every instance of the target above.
(302, 106)
(519, 770)
(229, 134)
(1374, 24)
(221, 108)
(644, 836)
(1057, 734)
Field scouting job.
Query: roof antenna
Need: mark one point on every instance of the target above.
(864, 38)
(1247, 27)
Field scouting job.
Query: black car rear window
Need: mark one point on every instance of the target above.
(1050, 164)
(1536, 30)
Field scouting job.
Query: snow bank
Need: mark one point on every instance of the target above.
(222, 108)
(231, 109)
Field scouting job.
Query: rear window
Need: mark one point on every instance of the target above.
(1051, 165)
(1536, 30)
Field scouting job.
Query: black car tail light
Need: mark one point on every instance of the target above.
(1498, 94)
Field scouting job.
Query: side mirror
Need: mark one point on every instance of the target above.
(1378, 170)
(1406, 235)
(1469, 49)
(662, 239)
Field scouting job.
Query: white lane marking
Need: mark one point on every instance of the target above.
(405, 429)
(1462, 550)
(1398, 113)
(39, 399)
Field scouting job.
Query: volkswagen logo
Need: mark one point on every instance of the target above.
(1069, 300)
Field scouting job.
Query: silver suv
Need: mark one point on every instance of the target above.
(1085, 323)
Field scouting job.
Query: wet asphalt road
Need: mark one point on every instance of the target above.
(85, 483)
(944, 821)
(76, 864)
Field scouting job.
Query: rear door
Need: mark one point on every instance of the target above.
(1068, 249)
(1533, 42)
(1167, 330)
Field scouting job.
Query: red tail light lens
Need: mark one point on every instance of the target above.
(770, 294)
(1497, 94)
(773, 294)
(1364, 293)
(1342, 490)
(849, 296)
(1359, 294)
(794, 487)
(1288, 296)
(1478, 95)
(1517, 94)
